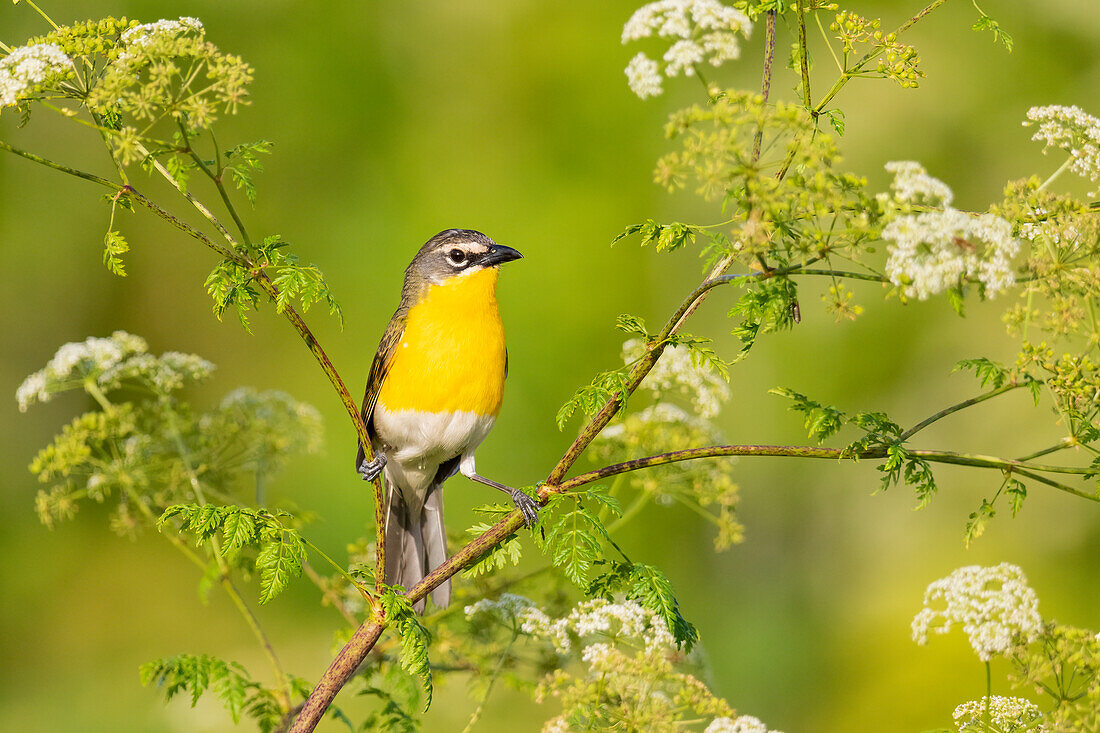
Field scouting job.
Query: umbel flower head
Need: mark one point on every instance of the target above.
(109, 363)
(1006, 714)
(1072, 130)
(940, 249)
(996, 607)
(707, 31)
(28, 68)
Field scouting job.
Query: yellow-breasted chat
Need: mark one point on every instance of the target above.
(434, 390)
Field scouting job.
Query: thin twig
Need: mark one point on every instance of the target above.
(766, 82)
(960, 406)
(803, 60)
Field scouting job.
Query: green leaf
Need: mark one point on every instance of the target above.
(1000, 35)
(507, 552)
(821, 420)
(414, 638)
(652, 589)
(229, 681)
(114, 245)
(1017, 493)
(573, 544)
(836, 119)
(632, 324)
(605, 387)
(988, 372)
(279, 562)
(975, 526)
(238, 531)
(767, 306)
(667, 237)
(600, 495)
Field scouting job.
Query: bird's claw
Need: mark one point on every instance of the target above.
(527, 506)
(369, 470)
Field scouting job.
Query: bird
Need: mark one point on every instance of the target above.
(434, 390)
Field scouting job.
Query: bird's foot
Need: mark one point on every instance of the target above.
(527, 506)
(369, 470)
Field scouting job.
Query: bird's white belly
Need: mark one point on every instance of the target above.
(418, 442)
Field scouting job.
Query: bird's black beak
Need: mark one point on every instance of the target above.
(498, 254)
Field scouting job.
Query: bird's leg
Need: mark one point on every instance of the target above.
(369, 470)
(527, 506)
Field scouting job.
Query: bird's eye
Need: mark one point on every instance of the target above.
(456, 257)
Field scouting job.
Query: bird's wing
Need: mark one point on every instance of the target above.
(381, 365)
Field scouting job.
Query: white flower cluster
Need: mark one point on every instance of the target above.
(1072, 130)
(508, 608)
(147, 33)
(603, 620)
(935, 250)
(141, 35)
(913, 184)
(677, 372)
(996, 607)
(1007, 715)
(109, 362)
(740, 724)
(74, 362)
(707, 31)
(165, 373)
(27, 66)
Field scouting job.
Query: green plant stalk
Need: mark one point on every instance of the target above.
(959, 406)
(476, 715)
(844, 274)
(328, 595)
(1060, 445)
(803, 61)
(1054, 176)
(804, 451)
(224, 576)
(766, 81)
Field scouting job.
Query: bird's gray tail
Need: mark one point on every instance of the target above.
(416, 542)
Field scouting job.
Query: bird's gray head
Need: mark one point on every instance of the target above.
(456, 252)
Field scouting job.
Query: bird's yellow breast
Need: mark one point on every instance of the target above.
(451, 356)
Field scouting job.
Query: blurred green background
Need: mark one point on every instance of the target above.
(395, 120)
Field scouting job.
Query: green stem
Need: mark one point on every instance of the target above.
(476, 716)
(871, 55)
(224, 577)
(803, 451)
(217, 181)
(955, 408)
(42, 13)
(872, 277)
(828, 43)
(766, 82)
(1060, 445)
(93, 389)
(1054, 176)
(58, 167)
(803, 61)
(336, 601)
(631, 511)
(989, 692)
(355, 583)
